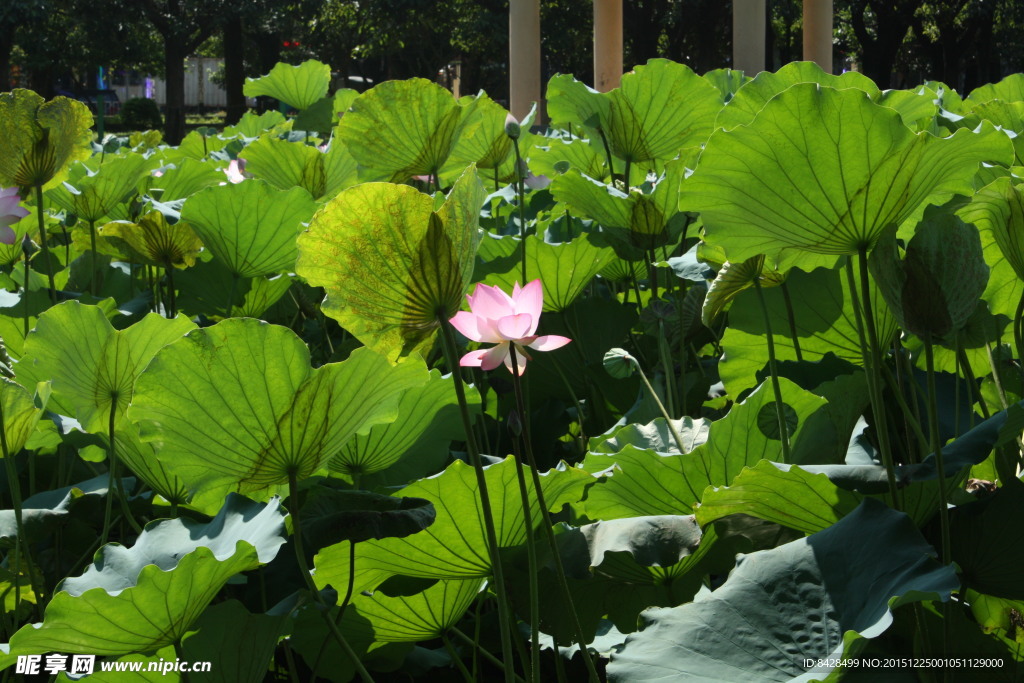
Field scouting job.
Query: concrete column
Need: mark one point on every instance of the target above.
(607, 44)
(748, 35)
(818, 33)
(523, 56)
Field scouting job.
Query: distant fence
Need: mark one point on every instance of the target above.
(200, 90)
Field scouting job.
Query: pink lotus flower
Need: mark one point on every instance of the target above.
(236, 171)
(497, 318)
(10, 212)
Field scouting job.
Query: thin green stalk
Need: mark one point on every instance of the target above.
(22, 540)
(533, 674)
(1018, 335)
(25, 292)
(517, 386)
(936, 446)
(451, 357)
(300, 555)
(661, 406)
(520, 201)
(184, 677)
(791, 316)
(995, 376)
(456, 660)
(652, 274)
(231, 296)
(115, 483)
(608, 156)
(344, 603)
(169, 271)
(913, 424)
(576, 402)
(92, 257)
(509, 674)
(773, 368)
(872, 360)
(668, 368)
(44, 244)
(972, 385)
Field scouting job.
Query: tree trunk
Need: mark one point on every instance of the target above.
(174, 115)
(6, 45)
(234, 68)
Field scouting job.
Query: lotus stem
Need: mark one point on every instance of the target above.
(913, 424)
(791, 316)
(531, 550)
(1018, 334)
(936, 445)
(669, 369)
(456, 660)
(661, 406)
(452, 358)
(773, 369)
(547, 524)
(487, 655)
(22, 540)
(231, 296)
(44, 244)
(300, 556)
(520, 201)
(92, 256)
(872, 362)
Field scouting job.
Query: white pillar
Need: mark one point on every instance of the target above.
(523, 56)
(818, 33)
(748, 36)
(607, 44)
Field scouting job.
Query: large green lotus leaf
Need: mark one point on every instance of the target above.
(241, 643)
(645, 482)
(824, 171)
(252, 125)
(92, 196)
(93, 367)
(659, 109)
(340, 169)
(617, 568)
(239, 403)
(790, 497)
(198, 145)
(405, 128)
(423, 616)
(39, 140)
(391, 265)
(286, 164)
(184, 180)
(332, 515)
(754, 94)
(1007, 115)
(607, 205)
(654, 436)
(152, 241)
(22, 410)
(998, 209)
(250, 226)
(571, 103)
(728, 81)
(825, 322)
(756, 627)
(298, 86)
(482, 139)
(428, 420)
(204, 287)
(564, 269)
(141, 598)
(455, 546)
(733, 278)
(1010, 89)
(141, 458)
(579, 154)
(988, 552)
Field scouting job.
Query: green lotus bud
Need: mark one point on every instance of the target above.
(512, 127)
(936, 287)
